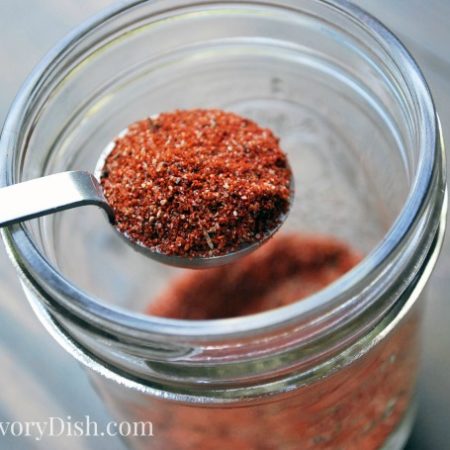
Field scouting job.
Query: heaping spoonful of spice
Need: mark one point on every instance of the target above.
(191, 188)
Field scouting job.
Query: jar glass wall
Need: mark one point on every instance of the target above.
(356, 119)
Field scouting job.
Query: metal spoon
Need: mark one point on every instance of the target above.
(65, 190)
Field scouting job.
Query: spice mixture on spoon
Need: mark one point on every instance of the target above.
(195, 183)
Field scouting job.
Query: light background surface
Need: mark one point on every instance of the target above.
(38, 379)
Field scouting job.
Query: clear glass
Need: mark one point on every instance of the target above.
(357, 121)
(368, 404)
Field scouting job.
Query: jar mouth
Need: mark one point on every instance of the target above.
(43, 276)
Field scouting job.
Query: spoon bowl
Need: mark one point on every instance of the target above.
(197, 262)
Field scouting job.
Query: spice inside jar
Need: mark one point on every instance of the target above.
(288, 268)
(355, 408)
(195, 183)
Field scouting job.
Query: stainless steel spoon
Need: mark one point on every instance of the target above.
(65, 190)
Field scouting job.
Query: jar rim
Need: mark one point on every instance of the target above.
(33, 263)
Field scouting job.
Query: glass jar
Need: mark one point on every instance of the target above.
(336, 370)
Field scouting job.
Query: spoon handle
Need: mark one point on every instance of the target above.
(50, 194)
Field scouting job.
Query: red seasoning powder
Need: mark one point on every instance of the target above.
(288, 268)
(356, 407)
(197, 182)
